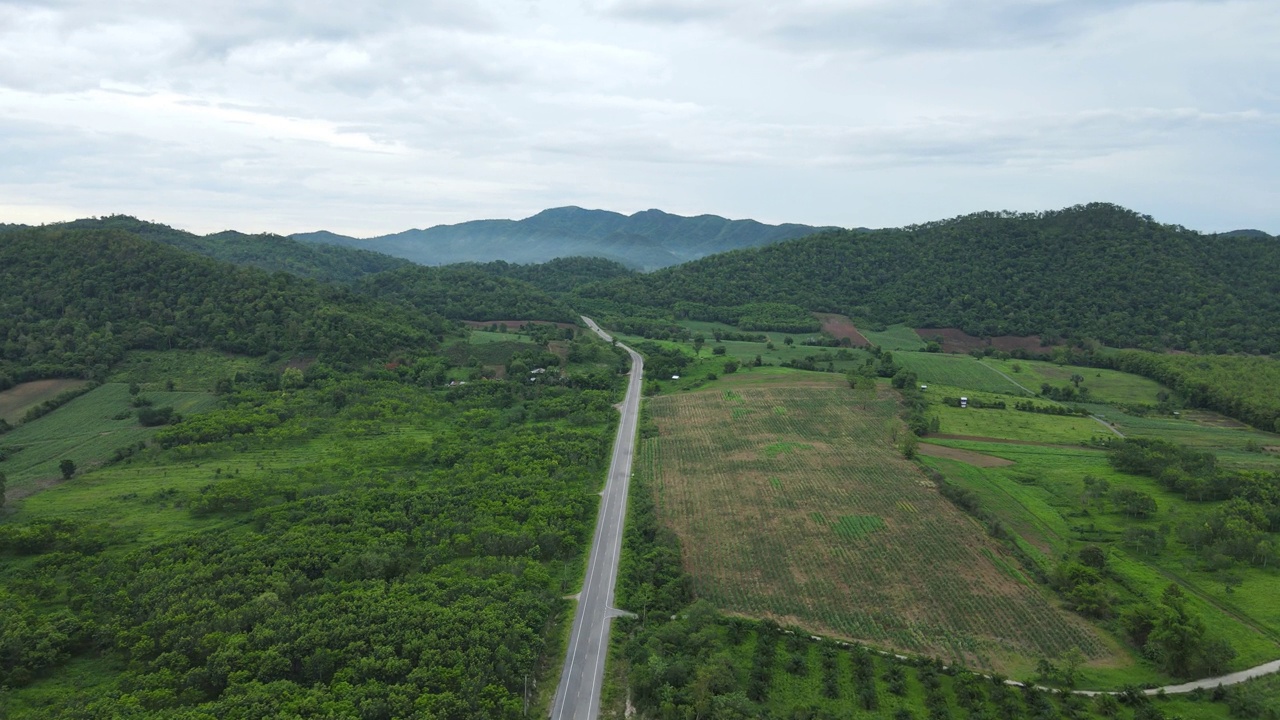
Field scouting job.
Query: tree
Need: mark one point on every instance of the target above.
(698, 342)
(1076, 379)
(68, 468)
(2, 484)
(788, 341)
(730, 366)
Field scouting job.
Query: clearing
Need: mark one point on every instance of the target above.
(17, 400)
(792, 502)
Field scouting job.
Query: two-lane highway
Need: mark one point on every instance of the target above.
(578, 696)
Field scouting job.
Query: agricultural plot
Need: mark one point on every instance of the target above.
(87, 430)
(1107, 386)
(961, 371)
(17, 400)
(1041, 499)
(894, 337)
(792, 502)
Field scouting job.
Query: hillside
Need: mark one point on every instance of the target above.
(462, 292)
(1094, 271)
(648, 239)
(273, 253)
(74, 300)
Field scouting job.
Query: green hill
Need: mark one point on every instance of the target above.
(273, 253)
(1094, 271)
(648, 239)
(73, 300)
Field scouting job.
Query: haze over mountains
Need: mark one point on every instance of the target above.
(645, 240)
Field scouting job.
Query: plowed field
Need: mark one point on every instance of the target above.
(793, 503)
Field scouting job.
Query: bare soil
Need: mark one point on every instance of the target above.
(964, 456)
(841, 328)
(15, 401)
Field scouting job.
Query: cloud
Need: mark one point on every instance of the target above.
(910, 26)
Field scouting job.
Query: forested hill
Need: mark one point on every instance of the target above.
(274, 253)
(465, 292)
(1094, 271)
(72, 301)
(558, 276)
(648, 239)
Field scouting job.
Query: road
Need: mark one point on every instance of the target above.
(578, 695)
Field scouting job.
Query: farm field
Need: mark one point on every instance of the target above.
(87, 430)
(960, 371)
(17, 400)
(1107, 386)
(792, 502)
(894, 338)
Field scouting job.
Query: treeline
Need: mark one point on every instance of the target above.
(1094, 271)
(1242, 387)
(775, 316)
(74, 301)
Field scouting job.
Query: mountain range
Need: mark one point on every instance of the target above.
(646, 240)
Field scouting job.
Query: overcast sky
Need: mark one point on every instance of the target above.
(367, 117)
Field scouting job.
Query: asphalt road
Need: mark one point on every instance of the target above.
(578, 695)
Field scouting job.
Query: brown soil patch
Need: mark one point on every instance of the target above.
(964, 456)
(15, 401)
(841, 328)
(512, 324)
(959, 341)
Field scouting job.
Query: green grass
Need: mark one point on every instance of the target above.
(189, 370)
(1010, 424)
(894, 337)
(1108, 386)
(961, 371)
(481, 337)
(86, 431)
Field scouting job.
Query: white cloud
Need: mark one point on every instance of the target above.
(373, 117)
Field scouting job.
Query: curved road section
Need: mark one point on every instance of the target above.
(578, 696)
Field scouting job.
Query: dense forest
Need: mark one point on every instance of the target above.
(465, 292)
(273, 253)
(558, 276)
(75, 300)
(1095, 271)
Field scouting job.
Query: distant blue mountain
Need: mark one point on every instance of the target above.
(646, 240)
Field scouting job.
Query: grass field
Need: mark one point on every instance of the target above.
(961, 371)
(1108, 386)
(17, 400)
(894, 337)
(85, 430)
(791, 501)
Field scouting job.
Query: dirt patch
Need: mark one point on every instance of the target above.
(964, 456)
(841, 328)
(15, 401)
(955, 340)
(512, 324)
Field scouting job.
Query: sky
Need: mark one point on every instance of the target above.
(372, 117)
